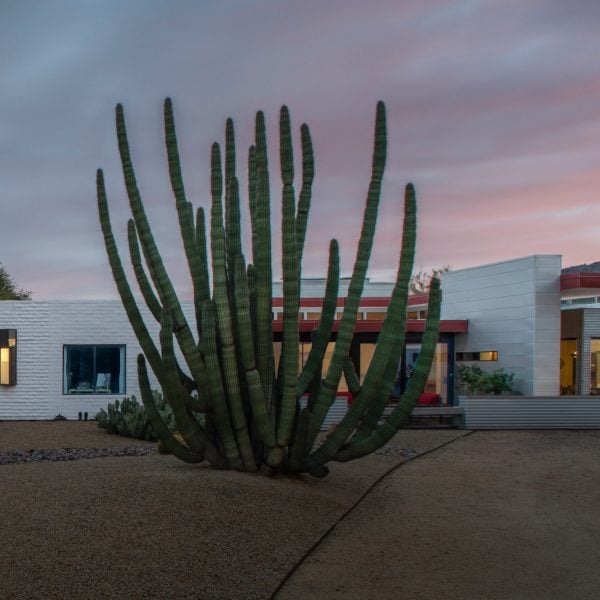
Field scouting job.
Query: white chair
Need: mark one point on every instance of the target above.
(103, 383)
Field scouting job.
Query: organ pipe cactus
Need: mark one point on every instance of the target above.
(232, 407)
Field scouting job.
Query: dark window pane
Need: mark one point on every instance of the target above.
(108, 369)
(79, 369)
(94, 370)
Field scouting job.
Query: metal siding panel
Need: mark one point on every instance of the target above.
(532, 412)
(336, 413)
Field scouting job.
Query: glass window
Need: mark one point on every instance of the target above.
(376, 316)
(568, 366)
(8, 357)
(437, 381)
(366, 354)
(595, 366)
(94, 370)
(342, 386)
(303, 352)
(485, 355)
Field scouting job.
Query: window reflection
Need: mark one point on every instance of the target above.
(94, 370)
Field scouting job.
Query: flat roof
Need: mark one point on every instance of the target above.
(412, 326)
(365, 302)
(580, 281)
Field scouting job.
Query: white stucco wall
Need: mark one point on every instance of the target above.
(512, 307)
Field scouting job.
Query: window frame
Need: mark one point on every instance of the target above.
(122, 360)
(8, 343)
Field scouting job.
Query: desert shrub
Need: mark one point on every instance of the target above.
(477, 381)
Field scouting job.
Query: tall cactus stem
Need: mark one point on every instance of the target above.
(291, 292)
(383, 433)
(261, 252)
(378, 380)
(127, 298)
(184, 208)
(321, 338)
(138, 268)
(225, 321)
(158, 425)
(188, 426)
(220, 414)
(260, 412)
(161, 280)
(308, 174)
(365, 244)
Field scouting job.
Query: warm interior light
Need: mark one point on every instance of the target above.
(4, 366)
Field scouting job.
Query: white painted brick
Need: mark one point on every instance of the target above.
(43, 327)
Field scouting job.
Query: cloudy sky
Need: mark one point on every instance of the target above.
(493, 113)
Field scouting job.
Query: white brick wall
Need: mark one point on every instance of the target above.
(29, 398)
(43, 328)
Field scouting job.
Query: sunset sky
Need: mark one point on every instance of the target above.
(493, 114)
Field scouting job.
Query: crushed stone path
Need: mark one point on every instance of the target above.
(61, 454)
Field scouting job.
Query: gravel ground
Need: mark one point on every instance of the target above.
(154, 527)
(497, 515)
(20, 435)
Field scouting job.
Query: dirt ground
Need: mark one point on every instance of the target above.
(484, 515)
(154, 527)
(502, 515)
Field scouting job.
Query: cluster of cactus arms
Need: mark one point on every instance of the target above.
(129, 418)
(231, 405)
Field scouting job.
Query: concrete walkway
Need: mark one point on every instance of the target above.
(494, 515)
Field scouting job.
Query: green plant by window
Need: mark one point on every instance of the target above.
(477, 381)
(498, 382)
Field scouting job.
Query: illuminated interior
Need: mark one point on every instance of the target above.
(568, 366)
(595, 366)
(8, 356)
(437, 381)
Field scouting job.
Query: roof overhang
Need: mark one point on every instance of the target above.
(579, 284)
(365, 302)
(412, 326)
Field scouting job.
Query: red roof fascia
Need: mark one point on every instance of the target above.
(572, 281)
(378, 302)
(412, 326)
(418, 299)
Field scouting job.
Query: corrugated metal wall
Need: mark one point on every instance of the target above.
(336, 413)
(526, 412)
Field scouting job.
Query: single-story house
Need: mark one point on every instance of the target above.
(74, 356)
